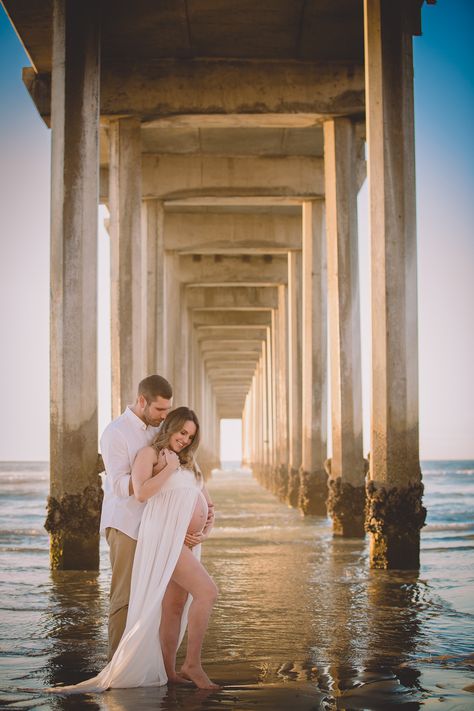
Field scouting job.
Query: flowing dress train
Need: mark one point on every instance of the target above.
(138, 660)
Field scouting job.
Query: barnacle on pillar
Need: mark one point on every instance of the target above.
(346, 504)
(73, 523)
(313, 492)
(394, 517)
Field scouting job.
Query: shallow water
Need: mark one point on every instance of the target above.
(301, 621)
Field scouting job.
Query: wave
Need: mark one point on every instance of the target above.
(23, 532)
(448, 527)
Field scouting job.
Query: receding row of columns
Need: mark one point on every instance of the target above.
(154, 326)
(389, 506)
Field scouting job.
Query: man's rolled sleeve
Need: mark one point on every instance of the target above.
(117, 463)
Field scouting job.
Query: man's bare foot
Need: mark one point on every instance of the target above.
(178, 679)
(196, 674)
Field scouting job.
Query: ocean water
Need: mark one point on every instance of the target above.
(301, 621)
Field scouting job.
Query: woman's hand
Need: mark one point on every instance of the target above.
(194, 539)
(160, 464)
(210, 517)
(171, 458)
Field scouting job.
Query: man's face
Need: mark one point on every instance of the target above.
(155, 412)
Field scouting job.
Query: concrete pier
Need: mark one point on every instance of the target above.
(346, 502)
(126, 278)
(74, 503)
(230, 163)
(313, 478)
(295, 364)
(394, 514)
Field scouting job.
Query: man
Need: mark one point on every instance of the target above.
(121, 511)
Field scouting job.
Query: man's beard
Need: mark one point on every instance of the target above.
(149, 421)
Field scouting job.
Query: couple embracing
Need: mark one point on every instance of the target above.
(155, 514)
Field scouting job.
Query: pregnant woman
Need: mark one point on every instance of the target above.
(169, 584)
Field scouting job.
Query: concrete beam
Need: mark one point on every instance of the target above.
(232, 298)
(175, 177)
(241, 333)
(241, 357)
(221, 93)
(236, 345)
(232, 318)
(207, 233)
(236, 201)
(233, 271)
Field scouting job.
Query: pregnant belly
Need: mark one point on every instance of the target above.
(199, 515)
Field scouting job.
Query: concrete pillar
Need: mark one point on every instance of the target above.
(253, 421)
(313, 478)
(282, 392)
(75, 495)
(246, 456)
(274, 387)
(346, 500)
(294, 376)
(270, 408)
(394, 514)
(154, 292)
(126, 261)
(175, 332)
(258, 422)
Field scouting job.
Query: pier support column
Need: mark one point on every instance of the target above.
(269, 381)
(75, 494)
(294, 380)
(346, 501)
(394, 514)
(127, 279)
(282, 392)
(175, 335)
(154, 293)
(313, 478)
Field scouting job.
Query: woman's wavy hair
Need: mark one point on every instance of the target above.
(173, 423)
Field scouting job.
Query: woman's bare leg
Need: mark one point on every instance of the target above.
(172, 609)
(191, 575)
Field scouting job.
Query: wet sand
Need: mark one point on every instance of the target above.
(301, 622)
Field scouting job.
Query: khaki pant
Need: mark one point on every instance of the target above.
(122, 551)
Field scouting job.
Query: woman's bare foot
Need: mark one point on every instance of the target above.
(178, 679)
(196, 674)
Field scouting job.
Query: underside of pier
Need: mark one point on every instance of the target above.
(229, 141)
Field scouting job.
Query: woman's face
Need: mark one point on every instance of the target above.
(183, 437)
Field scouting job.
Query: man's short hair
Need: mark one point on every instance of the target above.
(155, 386)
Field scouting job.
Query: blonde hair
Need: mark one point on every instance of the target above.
(174, 423)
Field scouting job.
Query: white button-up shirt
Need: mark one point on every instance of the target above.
(119, 444)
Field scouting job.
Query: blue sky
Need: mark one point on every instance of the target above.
(444, 104)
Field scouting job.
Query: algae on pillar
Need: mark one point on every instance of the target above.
(394, 513)
(76, 494)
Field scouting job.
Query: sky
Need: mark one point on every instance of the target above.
(444, 107)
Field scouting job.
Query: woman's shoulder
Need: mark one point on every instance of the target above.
(147, 452)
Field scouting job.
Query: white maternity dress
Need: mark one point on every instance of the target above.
(138, 660)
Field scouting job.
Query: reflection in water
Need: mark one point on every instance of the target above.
(74, 626)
